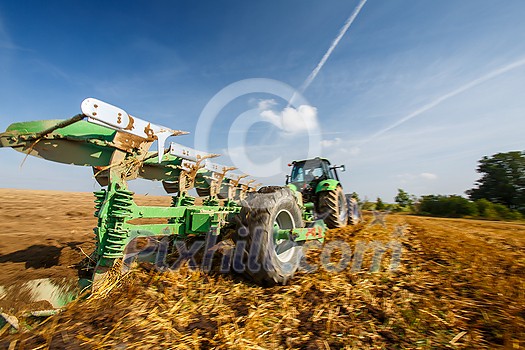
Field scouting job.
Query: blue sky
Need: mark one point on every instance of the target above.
(414, 94)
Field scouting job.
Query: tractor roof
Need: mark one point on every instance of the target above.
(316, 158)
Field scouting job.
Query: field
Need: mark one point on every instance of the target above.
(457, 284)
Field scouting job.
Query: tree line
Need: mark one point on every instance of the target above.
(498, 195)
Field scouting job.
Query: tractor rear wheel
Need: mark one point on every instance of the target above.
(332, 207)
(354, 215)
(269, 258)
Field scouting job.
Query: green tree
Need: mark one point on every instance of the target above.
(403, 198)
(502, 180)
(379, 204)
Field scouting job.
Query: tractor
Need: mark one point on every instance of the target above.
(320, 191)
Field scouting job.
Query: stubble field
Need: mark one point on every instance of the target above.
(459, 284)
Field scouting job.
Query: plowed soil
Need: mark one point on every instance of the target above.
(458, 284)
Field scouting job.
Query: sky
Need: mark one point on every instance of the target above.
(410, 96)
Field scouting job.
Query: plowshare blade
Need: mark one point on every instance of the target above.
(102, 113)
(188, 153)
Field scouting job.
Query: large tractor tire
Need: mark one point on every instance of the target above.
(354, 214)
(263, 213)
(332, 207)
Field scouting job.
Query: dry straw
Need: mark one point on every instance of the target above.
(452, 289)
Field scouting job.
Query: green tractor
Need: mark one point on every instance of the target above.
(316, 183)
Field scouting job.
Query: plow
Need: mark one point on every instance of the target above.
(266, 227)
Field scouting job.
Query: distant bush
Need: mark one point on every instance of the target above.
(456, 206)
(496, 211)
(402, 209)
(367, 205)
(485, 208)
(447, 206)
(379, 204)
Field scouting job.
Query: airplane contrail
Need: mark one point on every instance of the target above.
(336, 41)
(439, 100)
(332, 47)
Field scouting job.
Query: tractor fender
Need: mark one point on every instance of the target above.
(292, 187)
(327, 185)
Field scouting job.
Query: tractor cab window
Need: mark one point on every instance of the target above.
(311, 170)
(329, 172)
(317, 172)
(297, 173)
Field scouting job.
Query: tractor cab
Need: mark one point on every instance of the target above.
(308, 174)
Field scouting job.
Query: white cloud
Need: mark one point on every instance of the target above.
(266, 104)
(428, 176)
(340, 149)
(406, 177)
(330, 143)
(293, 120)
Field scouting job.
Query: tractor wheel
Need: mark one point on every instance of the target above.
(332, 207)
(268, 259)
(354, 215)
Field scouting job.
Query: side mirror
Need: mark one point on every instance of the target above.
(287, 179)
(343, 168)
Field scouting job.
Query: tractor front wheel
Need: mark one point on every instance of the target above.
(332, 207)
(271, 257)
